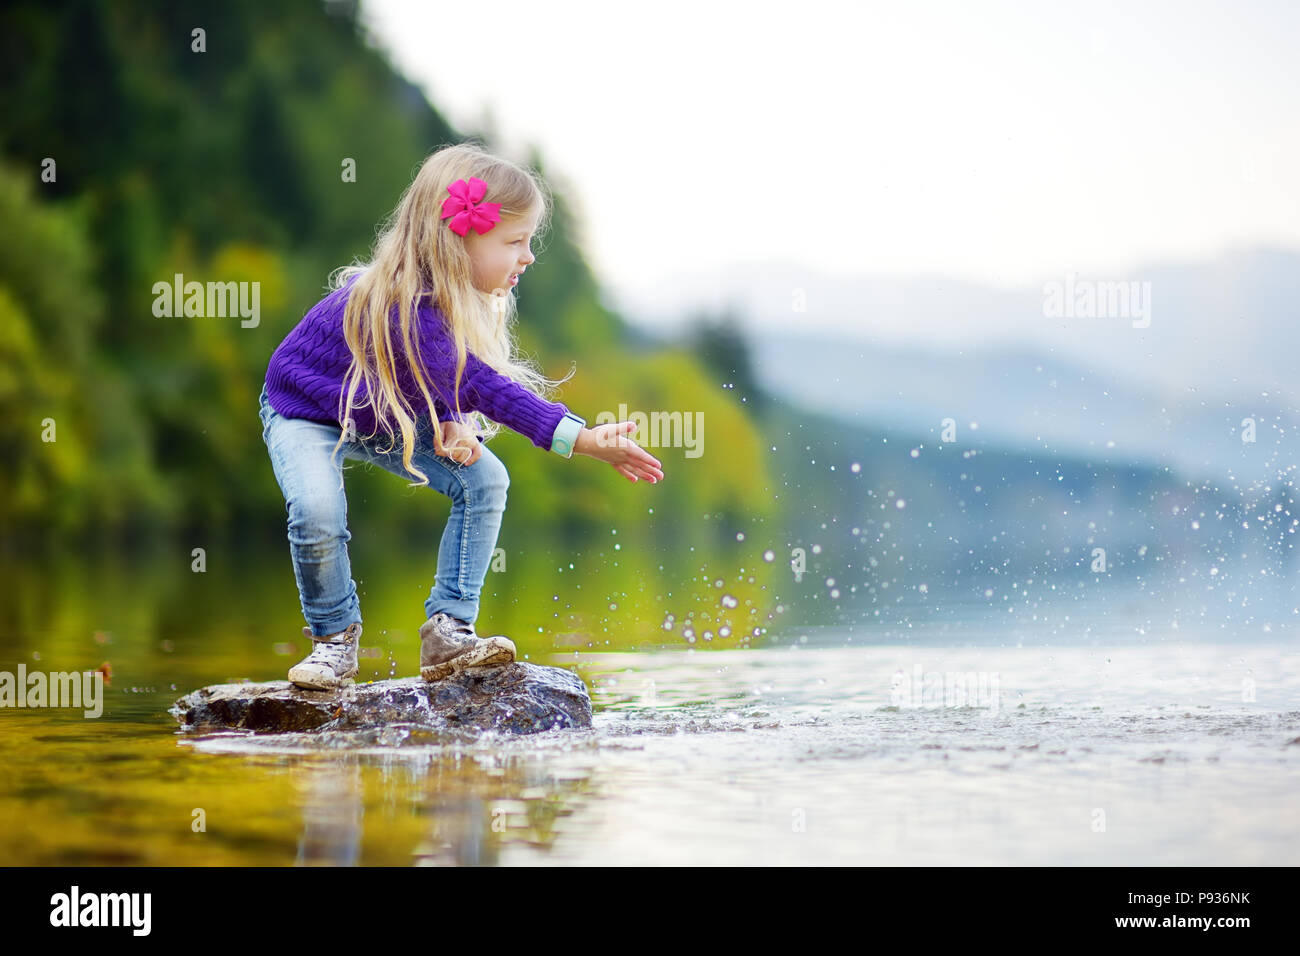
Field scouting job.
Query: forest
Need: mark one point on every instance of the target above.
(260, 154)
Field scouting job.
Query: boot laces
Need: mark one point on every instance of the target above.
(335, 655)
(455, 628)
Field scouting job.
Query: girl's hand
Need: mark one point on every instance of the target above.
(609, 443)
(473, 449)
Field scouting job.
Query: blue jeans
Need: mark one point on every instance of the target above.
(312, 485)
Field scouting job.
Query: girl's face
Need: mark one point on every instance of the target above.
(500, 255)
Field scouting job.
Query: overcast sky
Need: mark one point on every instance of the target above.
(1000, 142)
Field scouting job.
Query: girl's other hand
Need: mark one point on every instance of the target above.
(474, 448)
(609, 443)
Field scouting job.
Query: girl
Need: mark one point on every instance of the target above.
(412, 344)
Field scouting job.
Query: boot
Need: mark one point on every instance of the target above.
(448, 645)
(332, 661)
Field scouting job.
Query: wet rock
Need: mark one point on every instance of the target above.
(518, 698)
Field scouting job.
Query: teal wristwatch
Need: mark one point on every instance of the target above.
(566, 434)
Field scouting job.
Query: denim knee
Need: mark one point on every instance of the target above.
(317, 520)
(489, 478)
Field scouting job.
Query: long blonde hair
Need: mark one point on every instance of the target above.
(417, 254)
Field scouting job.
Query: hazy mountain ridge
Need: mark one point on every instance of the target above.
(1020, 399)
(1223, 326)
(1222, 346)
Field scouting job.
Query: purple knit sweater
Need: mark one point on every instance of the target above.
(305, 376)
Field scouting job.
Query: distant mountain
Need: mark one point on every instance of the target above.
(1220, 326)
(1222, 345)
(1019, 399)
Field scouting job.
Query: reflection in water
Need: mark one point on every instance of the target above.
(329, 792)
(795, 751)
(468, 799)
(807, 755)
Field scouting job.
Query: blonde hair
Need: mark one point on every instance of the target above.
(416, 254)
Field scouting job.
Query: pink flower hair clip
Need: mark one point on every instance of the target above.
(467, 209)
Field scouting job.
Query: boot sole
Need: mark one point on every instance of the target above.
(322, 683)
(492, 650)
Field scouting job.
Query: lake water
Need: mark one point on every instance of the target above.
(965, 739)
(1129, 729)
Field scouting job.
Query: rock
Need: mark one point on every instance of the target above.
(518, 698)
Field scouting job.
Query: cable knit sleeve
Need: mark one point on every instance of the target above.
(482, 388)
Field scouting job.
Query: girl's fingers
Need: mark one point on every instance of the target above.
(645, 469)
(647, 459)
(651, 469)
(640, 467)
(636, 455)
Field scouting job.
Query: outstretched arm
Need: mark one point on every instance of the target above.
(500, 398)
(484, 389)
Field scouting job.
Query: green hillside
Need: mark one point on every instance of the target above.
(127, 157)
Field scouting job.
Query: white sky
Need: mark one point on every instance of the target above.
(1003, 142)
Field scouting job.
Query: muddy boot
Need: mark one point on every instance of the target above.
(332, 661)
(448, 645)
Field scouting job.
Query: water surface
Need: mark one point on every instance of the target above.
(1164, 750)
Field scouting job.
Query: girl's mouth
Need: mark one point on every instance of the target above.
(514, 280)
